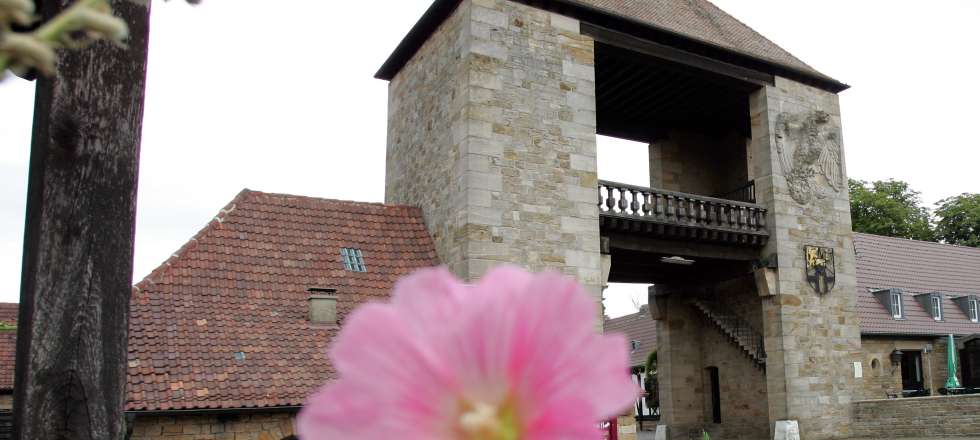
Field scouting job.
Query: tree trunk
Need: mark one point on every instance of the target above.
(78, 241)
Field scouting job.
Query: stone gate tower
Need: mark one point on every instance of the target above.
(494, 107)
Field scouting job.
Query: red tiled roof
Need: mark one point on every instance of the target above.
(8, 346)
(916, 267)
(640, 327)
(240, 285)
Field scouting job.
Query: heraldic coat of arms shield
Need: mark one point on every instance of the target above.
(820, 272)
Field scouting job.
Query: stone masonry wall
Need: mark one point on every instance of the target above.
(925, 417)
(269, 426)
(812, 340)
(938, 364)
(492, 134)
(426, 160)
(680, 366)
(883, 379)
(696, 163)
(744, 411)
(744, 407)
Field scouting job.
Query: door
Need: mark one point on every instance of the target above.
(912, 371)
(715, 394)
(970, 362)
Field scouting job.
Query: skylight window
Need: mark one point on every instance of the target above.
(353, 259)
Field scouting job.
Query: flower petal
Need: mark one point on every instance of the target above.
(567, 419)
(338, 410)
(429, 297)
(386, 356)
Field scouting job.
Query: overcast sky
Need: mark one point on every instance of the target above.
(280, 97)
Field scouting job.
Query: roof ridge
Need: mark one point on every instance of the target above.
(928, 243)
(213, 224)
(326, 199)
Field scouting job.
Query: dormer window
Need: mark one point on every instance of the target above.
(353, 259)
(933, 304)
(896, 300)
(937, 308)
(970, 306)
(892, 300)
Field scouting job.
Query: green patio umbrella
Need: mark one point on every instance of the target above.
(951, 382)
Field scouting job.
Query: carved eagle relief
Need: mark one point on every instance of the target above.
(809, 149)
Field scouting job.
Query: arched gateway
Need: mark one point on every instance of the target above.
(494, 108)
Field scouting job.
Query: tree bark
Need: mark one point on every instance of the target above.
(70, 378)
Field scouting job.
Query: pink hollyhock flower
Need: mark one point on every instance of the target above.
(515, 356)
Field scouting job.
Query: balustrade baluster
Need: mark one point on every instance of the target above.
(681, 213)
(703, 218)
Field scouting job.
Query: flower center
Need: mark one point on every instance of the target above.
(482, 421)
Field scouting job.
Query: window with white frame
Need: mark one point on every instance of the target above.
(937, 308)
(974, 309)
(896, 305)
(353, 259)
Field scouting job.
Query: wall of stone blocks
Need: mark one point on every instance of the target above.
(812, 340)
(883, 379)
(426, 154)
(680, 366)
(939, 365)
(688, 344)
(877, 382)
(257, 426)
(492, 134)
(744, 407)
(924, 417)
(708, 164)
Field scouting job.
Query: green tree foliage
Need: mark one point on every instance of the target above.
(889, 208)
(958, 220)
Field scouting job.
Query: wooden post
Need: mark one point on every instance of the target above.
(78, 241)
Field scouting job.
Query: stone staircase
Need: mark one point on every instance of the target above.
(737, 330)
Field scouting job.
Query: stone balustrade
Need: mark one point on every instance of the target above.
(679, 215)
